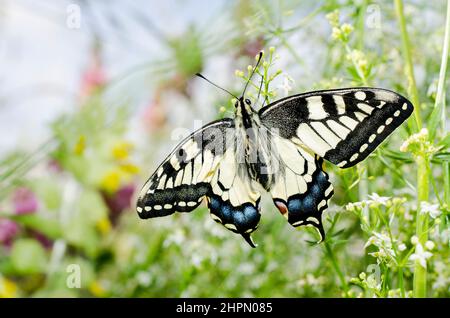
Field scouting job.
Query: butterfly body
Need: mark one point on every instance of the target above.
(279, 149)
(255, 156)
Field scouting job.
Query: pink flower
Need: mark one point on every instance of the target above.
(8, 230)
(24, 201)
(54, 166)
(94, 77)
(154, 116)
(252, 47)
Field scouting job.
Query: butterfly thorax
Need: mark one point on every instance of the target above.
(254, 155)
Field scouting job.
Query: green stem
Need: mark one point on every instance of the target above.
(440, 100)
(406, 46)
(423, 170)
(440, 94)
(401, 281)
(361, 25)
(336, 267)
(420, 273)
(363, 186)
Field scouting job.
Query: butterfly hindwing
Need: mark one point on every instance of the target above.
(233, 201)
(343, 126)
(182, 180)
(301, 190)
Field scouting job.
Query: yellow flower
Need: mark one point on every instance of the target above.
(347, 28)
(8, 289)
(121, 150)
(104, 225)
(97, 289)
(129, 168)
(111, 181)
(239, 73)
(80, 146)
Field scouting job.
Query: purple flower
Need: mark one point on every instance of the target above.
(8, 230)
(41, 238)
(54, 166)
(119, 201)
(25, 201)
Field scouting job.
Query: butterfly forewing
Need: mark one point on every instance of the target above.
(343, 126)
(182, 180)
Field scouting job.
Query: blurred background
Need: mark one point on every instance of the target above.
(94, 94)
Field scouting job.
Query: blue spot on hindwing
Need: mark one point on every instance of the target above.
(304, 205)
(239, 219)
(252, 215)
(227, 212)
(244, 217)
(294, 205)
(309, 204)
(214, 204)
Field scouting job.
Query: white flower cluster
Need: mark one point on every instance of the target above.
(419, 143)
(374, 200)
(421, 255)
(420, 137)
(358, 58)
(385, 247)
(431, 209)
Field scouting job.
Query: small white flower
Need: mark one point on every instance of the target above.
(144, 278)
(176, 238)
(431, 209)
(336, 33)
(441, 282)
(421, 255)
(352, 205)
(423, 133)
(405, 145)
(402, 247)
(408, 216)
(196, 260)
(429, 245)
(376, 198)
(414, 240)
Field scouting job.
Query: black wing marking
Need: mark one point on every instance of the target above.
(343, 126)
(182, 180)
(232, 201)
(301, 190)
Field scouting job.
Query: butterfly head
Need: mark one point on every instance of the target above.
(243, 102)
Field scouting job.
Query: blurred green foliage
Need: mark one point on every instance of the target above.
(80, 187)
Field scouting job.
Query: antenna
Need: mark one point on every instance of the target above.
(201, 76)
(260, 88)
(253, 72)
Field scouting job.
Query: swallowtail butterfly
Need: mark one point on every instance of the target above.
(279, 149)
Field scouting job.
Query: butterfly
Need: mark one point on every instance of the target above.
(279, 149)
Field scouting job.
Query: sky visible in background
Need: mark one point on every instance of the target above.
(42, 59)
